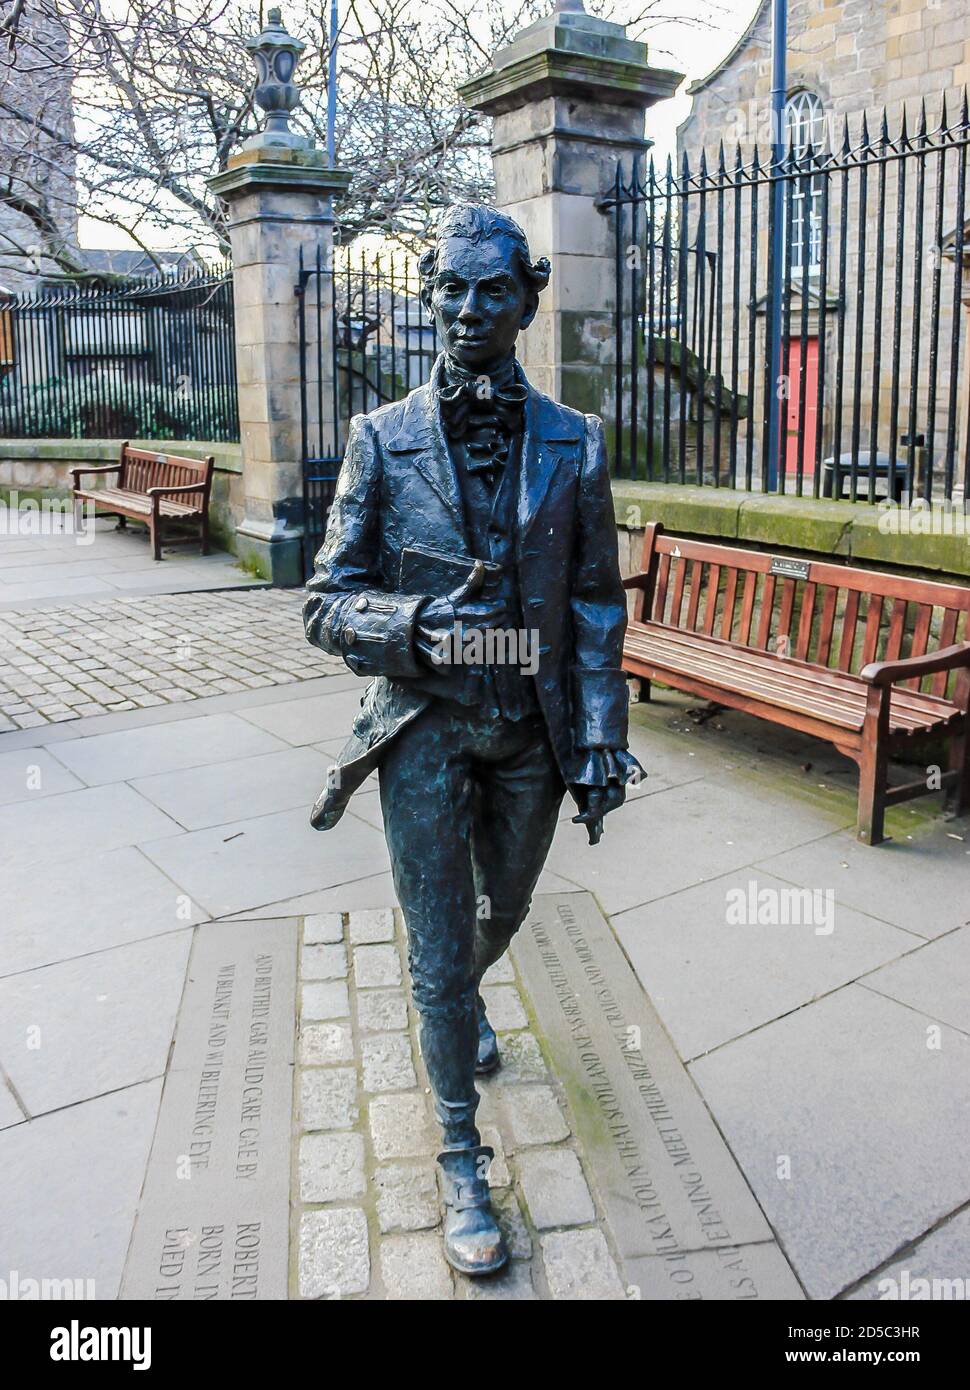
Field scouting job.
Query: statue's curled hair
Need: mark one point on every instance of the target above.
(478, 222)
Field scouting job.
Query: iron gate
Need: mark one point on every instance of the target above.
(364, 341)
(875, 335)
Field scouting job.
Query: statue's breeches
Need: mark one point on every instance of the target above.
(470, 805)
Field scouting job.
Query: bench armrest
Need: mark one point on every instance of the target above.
(637, 581)
(98, 468)
(171, 491)
(888, 672)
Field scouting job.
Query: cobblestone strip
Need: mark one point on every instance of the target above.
(59, 664)
(365, 1203)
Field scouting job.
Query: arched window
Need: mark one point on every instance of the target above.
(805, 133)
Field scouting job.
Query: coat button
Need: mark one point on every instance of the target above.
(350, 636)
(361, 605)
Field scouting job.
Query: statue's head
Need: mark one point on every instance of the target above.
(479, 283)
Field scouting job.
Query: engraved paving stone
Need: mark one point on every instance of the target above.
(671, 1190)
(213, 1220)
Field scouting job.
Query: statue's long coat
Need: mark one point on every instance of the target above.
(398, 488)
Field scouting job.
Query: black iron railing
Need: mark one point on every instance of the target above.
(148, 359)
(876, 274)
(365, 340)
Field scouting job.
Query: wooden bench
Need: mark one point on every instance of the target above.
(152, 487)
(815, 647)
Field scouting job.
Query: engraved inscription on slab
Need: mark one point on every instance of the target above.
(684, 1220)
(213, 1219)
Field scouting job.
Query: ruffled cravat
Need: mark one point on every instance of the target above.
(485, 411)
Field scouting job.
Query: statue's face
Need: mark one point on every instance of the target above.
(479, 299)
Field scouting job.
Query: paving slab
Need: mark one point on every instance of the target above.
(134, 753)
(852, 1097)
(309, 721)
(247, 863)
(257, 786)
(935, 1269)
(712, 977)
(214, 1215)
(933, 979)
(125, 898)
(26, 774)
(663, 1174)
(730, 1273)
(368, 891)
(910, 883)
(90, 820)
(73, 1031)
(71, 1185)
(10, 1111)
(660, 844)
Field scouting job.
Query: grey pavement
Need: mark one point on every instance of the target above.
(809, 992)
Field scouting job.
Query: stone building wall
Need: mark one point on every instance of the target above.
(856, 56)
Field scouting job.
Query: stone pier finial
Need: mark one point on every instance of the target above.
(276, 54)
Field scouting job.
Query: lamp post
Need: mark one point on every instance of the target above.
(332, 84)
(779, 84)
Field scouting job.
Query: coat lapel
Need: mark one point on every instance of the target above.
(421, 435)
(542, 453)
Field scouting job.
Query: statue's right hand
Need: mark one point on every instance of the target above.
(460, 607)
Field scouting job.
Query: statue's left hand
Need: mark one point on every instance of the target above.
(601, 786)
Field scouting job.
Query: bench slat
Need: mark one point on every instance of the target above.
(849, 619)
(767, 605)
(827, 625)
(948, 633)
(747, 610)
(831, 685)
(663, 575)
(730, 597)
(710, 597)
(783, 685)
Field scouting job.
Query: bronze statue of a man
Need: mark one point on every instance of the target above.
(470, 567)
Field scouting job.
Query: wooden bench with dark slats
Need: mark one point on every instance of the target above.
(814, 646)
(151, 488)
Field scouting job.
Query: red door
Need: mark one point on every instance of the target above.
(794, 410)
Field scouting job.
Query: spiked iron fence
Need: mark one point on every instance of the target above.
(148, 359)
(364, 341)
(876, 283)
